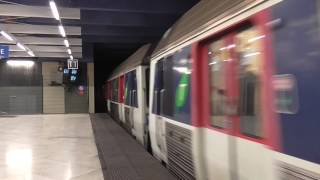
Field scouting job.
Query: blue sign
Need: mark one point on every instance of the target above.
(4, 52)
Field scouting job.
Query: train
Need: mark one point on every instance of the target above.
(228, 93)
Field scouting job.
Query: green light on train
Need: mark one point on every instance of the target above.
(182, 91)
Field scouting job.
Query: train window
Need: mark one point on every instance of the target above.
(286, 91)
(147, 75)
(218, 56)
(131, 93)
(115, 86)
(182, 84)
(134, 89)
(158, 86)
(167, 93)
(249, 52)
(172, 86)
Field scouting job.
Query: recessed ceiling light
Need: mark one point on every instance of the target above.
(54, 10)
(62, 31)
(21, 46)
(7, 36)
(66, 43)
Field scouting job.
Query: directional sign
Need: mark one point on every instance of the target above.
(4, 52)
(72, 63)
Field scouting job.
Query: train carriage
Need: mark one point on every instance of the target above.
(127, 100)
(232, 91)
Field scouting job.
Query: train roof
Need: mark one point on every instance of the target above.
(140, 57)
(198, 19)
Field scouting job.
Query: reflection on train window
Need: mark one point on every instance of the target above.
(131, 93)
(218, 55)
(286, 91)
(249, 51)
(171, 93)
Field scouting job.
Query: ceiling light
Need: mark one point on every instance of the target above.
(21, 46)
(7, 36)
(66, 42)
(71, 57)
(62, 32)
(54, 10)
(69, 51)
(20, 63)
(31, 53)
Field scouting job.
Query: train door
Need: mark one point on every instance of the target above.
(139, 116)
(250, 88)
(133, 106)
(108, 91)
(219, 142)
(238, 132)
(121, 99)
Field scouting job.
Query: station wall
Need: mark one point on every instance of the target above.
(41, 88)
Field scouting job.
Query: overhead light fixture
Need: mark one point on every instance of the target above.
(7, 36)
(62, 32)
(20, 63)
(71, 57)
(54, 10)
(66, 42)
(31, 53)
(21, 46)
(69, 51)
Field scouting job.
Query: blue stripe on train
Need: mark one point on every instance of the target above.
(296, 49)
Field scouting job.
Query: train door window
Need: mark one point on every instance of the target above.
(126, 89)
(218, 56)
(157, 87)
(130, 92)
(249, 53)
(115, 86)
(147, 75)
(121, 89)
(167, 93)
(134, 89)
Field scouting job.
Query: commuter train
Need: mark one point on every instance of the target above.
(232, 92)
(127, 94)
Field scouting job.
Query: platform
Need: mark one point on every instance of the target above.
(121, 157)
(48, 147)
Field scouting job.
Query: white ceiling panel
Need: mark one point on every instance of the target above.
(18, 54)
(39, 29)
(43, 41)
(37, 11)
(37, 48)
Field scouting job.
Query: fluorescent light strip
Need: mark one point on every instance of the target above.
(69, 51)
(31, 53)
(62, 31)
(7, 36)
(21, 46)
(66, 43)
(54, 10)
(20, 63)
(71, 57)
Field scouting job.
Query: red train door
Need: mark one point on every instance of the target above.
(238, 109)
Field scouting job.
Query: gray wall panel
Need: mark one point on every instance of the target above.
(21, 99)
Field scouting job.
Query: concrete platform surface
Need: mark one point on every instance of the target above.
(122, 158)
(48, 147)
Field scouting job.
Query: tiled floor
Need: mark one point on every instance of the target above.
(48, 147)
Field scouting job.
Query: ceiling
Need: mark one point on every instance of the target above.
(99, 29)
